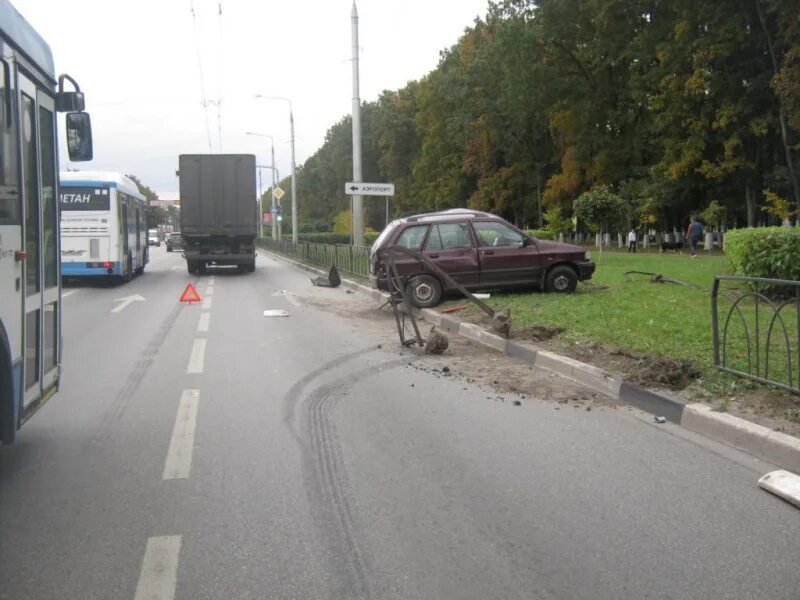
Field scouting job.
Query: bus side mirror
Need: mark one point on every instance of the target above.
(79, 136)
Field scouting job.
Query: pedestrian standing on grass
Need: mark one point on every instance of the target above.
(694, 232)
(632, 241)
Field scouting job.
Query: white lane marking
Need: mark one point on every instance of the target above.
(212, 280)
(125, 302)
(179, 456)
(207, 303)
(210, 290)
(197, 357)
(202, 324)
(69, 293)
(159, 574)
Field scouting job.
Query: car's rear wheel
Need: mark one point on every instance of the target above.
(561, 279)
(424, 291)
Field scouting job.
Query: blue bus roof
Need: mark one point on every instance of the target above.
(21, 34)
(100, 178)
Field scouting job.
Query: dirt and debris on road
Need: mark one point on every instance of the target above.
(505, 378)
(502, 378)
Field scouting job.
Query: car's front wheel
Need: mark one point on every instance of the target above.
(424, 291)
(561, 279)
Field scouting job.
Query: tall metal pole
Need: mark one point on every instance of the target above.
(294, 182)
(272, 191)
(260, 207)
(358, 201)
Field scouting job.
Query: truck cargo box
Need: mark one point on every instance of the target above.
(218, 194)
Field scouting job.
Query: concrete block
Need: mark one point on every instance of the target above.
(783, 484)
(761, 442)
(554, 362)
(782, 450)
(470, 331)
(524, 352)
(450, 324)
(596, 379)
(652, 402)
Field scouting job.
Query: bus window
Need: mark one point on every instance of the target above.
(49, 213)
(9, 185)
(30, 178)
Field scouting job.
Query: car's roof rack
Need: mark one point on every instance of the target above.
(450, 212)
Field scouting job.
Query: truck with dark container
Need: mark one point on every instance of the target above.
(219, 210)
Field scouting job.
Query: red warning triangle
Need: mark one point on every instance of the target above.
(190, 294)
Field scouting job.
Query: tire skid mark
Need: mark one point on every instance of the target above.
(117, 408)
(329, 490)
(326, 480)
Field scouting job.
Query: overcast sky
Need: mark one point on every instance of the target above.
(138, 62)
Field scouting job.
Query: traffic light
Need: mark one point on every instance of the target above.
(278, 213)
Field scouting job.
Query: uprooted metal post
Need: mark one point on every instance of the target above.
(501, 322)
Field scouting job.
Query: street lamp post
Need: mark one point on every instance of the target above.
(272, 150)
(294, 182)
(276, 177)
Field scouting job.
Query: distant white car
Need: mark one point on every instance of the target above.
(152, 238)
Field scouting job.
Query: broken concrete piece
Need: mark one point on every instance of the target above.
(437, 342)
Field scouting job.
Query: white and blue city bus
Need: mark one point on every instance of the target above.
(30, 285)
(103, 225)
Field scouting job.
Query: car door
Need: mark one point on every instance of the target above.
(506, 256)
(451, 247)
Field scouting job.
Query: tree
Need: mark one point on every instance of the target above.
(600, 209)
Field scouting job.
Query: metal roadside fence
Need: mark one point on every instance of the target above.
(348, 259)
(756, 329)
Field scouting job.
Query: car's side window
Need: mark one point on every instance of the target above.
(449, 236)
(491, 233)
(412, 237)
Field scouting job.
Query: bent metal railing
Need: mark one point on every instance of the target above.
(758, 336)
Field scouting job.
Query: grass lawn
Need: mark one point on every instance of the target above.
(656, 319)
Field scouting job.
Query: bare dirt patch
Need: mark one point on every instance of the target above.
(501, 378)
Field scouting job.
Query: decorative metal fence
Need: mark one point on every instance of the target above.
(348, 259)
(756, 329)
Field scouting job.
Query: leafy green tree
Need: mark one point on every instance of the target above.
(600, 209)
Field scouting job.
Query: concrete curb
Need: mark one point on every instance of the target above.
(771, 446)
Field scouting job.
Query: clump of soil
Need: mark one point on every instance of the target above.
(675, 374)
(539, 333)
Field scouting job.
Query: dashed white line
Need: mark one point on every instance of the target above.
(212, 280)
(181, 447)
(202, 324)
(207, 303)
(210, 290)
(197, 357)
(159, 574)
(69, 293)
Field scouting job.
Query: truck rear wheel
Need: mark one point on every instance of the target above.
(191, 266)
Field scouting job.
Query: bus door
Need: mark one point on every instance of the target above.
(40, 223)
(11, 269)
(124, 232)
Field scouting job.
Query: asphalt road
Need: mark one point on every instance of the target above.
(208, 451)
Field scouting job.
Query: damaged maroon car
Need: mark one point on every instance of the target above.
(480, 251)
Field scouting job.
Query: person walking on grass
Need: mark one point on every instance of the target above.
(632, 241)
(694, 232)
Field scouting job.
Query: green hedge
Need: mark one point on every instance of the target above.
(772, 252)
(541, 234)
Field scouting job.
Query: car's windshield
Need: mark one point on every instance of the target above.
(382, 237)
